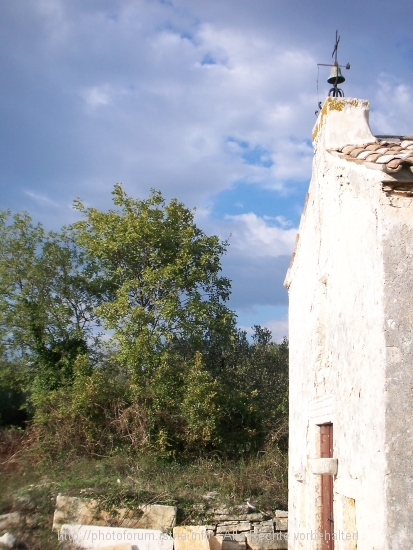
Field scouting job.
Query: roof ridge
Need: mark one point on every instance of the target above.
(389, 156)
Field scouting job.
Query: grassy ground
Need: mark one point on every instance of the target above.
(29, 483)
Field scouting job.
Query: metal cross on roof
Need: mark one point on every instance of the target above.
(335, 77)
(336, 47)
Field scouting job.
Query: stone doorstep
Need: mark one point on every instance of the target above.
(281, 514)
(97, 536)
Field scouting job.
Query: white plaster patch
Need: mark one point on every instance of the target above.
(321, 409)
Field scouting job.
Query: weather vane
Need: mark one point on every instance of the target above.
(335, 77)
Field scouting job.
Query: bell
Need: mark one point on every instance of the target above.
(335, 76)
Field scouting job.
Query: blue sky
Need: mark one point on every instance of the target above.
(210, 101)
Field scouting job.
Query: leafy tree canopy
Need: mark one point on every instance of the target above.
(165, 273)
(48, 295)
(173, 374)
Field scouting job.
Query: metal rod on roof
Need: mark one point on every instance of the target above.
(335, 77)
(347, 66)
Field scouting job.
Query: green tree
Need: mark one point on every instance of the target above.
(48, 295)
(165, 273)
(168, 298)
(175, 375)
(259, 372)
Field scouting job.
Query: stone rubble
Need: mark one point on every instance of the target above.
(236, 529)
(84, 525)
(74, 510)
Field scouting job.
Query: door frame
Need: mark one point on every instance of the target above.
(326, 489)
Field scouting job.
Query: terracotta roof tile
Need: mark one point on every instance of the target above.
(363, 155)
(354, 153)
(373, 157)
(389, 155)
(384, 159)
(394, 164)
(346, 150)
(406, 143)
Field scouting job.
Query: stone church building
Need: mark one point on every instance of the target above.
(350, 286)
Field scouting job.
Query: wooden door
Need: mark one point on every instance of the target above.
(327, 519)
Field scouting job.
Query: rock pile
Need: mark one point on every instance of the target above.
(81, 523)
(240, 529)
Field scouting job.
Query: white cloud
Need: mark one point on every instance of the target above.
(257, 258)
(96, 95)
(292, 160)
(392, 107)
(174, 125)
(166, 90)
(41, 199)
(178, 96)
(278, 327)
(281, 220)
(254, 237)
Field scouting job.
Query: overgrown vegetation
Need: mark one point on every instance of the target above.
(175, 378)
(118, 352)
(124, 480)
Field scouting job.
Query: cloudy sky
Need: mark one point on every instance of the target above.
(210, 101)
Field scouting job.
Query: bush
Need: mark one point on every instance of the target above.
(175, 378)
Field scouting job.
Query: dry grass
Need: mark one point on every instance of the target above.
(29, 478)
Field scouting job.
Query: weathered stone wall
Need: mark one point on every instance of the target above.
(253, 531)
(82, 522)
(397, 220)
